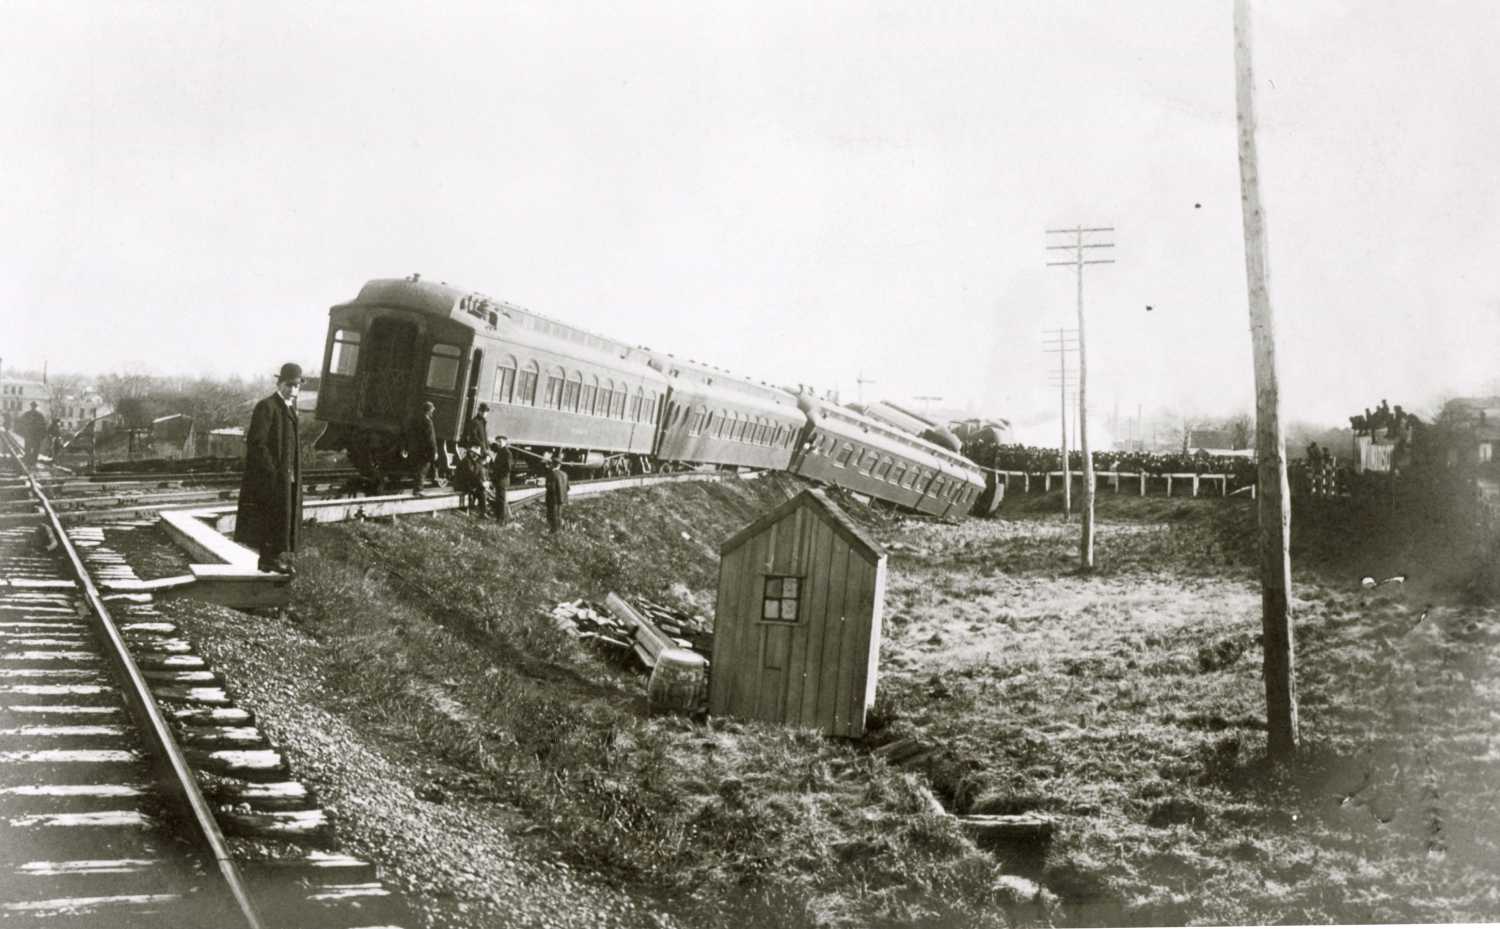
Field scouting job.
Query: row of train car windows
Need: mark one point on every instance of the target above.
(732, 427)
(889, 470)
(570, 393)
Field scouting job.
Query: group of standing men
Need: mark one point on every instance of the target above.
(497, 458)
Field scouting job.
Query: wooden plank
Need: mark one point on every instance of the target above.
(820, 573)
(833, 642)
(854, 671)
(877, 626)
(725, 621)
(746, 669)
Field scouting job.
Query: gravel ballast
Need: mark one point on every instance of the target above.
(461, 859)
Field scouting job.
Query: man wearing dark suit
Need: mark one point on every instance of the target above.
(477, 429)
(33, 429)
(557, 493)
(422, 446)
(500, 476)
(270, 506)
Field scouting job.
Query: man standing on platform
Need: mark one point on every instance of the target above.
(270, 506)
(557, 493)
(500, 477)
(477, 430)
(422, 446)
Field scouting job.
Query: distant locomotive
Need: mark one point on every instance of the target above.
(596, 402)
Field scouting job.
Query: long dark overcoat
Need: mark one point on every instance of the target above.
(271, 492)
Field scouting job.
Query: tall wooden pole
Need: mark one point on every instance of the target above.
(1062, 404)
(1086, 540)
(1274, 505)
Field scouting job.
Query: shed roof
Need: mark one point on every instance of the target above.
(817, 502)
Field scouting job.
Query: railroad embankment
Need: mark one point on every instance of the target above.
(509, 776)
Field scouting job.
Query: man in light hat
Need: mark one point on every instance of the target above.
(270, 506)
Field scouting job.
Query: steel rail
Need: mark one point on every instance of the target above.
(162, 748)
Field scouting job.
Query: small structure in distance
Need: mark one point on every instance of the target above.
(797, 628)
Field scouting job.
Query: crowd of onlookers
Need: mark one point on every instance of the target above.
(1386, 422)
(1035, 460)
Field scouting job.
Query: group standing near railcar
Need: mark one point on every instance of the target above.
(270, 504)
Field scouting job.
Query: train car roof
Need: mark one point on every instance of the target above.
(474, 309)
(699, 373)
(718, 394)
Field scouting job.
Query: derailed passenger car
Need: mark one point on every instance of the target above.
(865, 455)
(714, 417)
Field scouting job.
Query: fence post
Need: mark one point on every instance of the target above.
(1143, 482)
(1195, 485)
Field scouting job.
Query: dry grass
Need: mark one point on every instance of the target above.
(1128, 703)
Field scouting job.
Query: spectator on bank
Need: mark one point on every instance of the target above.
(557, 493)
(270, 504)
(500, 465)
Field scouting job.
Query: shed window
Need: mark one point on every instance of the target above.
(780, 601)
(442, 367)
(345, 352)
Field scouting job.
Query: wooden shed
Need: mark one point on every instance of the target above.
(797, 629)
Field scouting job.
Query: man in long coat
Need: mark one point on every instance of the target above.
(270, 507)
(557, 493)
(500, 466)
(422, 447)
(34, 431)
(477, 429)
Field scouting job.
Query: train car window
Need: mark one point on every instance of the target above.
(844, 456)
(708, 421)
(345, 352)
(553, 397)
(505, 381)
(606, 398)
(637, 403)
(442, 367)
(620, 402)
(526, 393)
(571, 390)
(586, 403)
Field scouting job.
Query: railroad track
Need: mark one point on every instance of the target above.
(101, 498)
(132, 791)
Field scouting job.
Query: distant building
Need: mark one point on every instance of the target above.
(1470, 432)
(78, 410)
(17, 395)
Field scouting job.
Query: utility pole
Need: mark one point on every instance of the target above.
(1061, 342)
(1086, 542)
(1275, 512)
(860, 381)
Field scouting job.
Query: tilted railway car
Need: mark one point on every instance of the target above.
(862, 454)
(714, 417)
(550, 387)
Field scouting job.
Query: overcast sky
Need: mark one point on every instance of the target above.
(798, 191)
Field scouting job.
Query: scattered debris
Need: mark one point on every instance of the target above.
(644, 627)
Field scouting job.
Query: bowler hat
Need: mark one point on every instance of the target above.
(290, 372)
(484, 407)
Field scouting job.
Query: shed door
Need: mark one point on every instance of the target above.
(775, 668)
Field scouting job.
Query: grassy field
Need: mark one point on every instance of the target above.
(1127, 703)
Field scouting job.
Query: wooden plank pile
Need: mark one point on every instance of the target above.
(643, 627)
